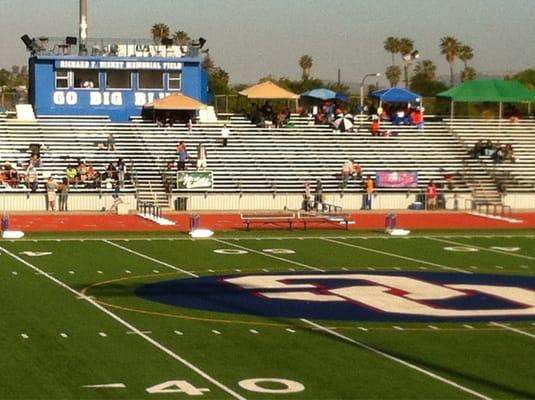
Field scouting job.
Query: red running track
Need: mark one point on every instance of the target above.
(58, 222)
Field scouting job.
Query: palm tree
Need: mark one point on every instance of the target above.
(159, 31)
(393, 74)
(468, 74)
(406, 46)
(181, 38)
(427, 69)
(449, 46)
(305, 62)
(392, 44)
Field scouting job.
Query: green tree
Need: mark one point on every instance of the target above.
(527, 77)
(392, 45)
(305, 62)
(426, 68)
(449, 47)
(468, 74)
(181, 38)
(159, 31)
(393, 74)
(218, 78)
(466, 53)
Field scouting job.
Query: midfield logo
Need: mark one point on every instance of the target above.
(389, 294)
(358, 296)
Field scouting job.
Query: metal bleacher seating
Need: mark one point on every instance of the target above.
(263, 160)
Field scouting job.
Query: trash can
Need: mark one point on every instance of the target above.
(5, 222)
(194, 222)
(391, 221)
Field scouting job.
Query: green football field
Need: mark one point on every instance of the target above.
(265, 315)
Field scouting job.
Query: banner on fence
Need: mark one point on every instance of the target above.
(396, 179)
(194, 180)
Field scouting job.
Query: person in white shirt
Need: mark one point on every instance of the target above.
(225, 133)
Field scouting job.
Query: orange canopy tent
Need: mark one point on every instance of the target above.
(268, 90)
(176, 101)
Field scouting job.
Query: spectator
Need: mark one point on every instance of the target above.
(110, 142)
(51, 186)
(111, 172)
(63, 190)
(121, 171)
(369, 187)
(375, 127)
(201, 157)
(225, 133)
(182, 155)
(318, 195)
(478, 149)
(32, 178)
(116, 196)
(431, 195)
(71, 173)
(308, 200)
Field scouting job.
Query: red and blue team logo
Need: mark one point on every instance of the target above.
(355, 296)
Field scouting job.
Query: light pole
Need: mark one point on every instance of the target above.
(362, 92)
(407, 58)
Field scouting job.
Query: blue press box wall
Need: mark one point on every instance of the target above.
(118, 104)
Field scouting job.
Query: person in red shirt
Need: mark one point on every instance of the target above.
(431, 194)
(375, 127)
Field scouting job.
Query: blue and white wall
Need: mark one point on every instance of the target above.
(76, 85)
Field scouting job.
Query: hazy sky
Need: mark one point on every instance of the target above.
(252, 38)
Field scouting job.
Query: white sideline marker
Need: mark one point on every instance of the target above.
(137, 333)
(155, 271)
(99, 272)
(398, 328)
(24, 336)
(14, 273)
(396, 359)
(103, 334)
(106, 386)
(216, 332)
(290, 330)
(71, 272)
(128, 271)
(128, 325)
(253, 331)
(433, 327)
(64, 335)
(179, 333)
(362, 328)
(468, 326)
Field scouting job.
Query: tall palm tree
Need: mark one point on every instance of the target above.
(159, 31)
(406, 46)
(393, 74)
(391, 45)
(427, 69)
(465, 54)
(305, 62)
(181, 38)
(449, 46)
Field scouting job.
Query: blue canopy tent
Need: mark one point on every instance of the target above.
(395, 95)
(324, 94)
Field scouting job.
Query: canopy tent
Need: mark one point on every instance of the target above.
(324, 94)
(269, 91)
(491, 90)
(395, 95)
(176, 101)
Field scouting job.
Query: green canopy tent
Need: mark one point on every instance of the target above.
(499, 91)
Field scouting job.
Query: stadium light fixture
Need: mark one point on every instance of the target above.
(362, 91)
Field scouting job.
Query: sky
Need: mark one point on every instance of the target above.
(253, 38)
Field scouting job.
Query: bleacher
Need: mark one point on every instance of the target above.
(518, 176)
(264, 160)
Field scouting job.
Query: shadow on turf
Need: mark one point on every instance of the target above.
(515, 392)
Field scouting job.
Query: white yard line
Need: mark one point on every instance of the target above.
(508, 253)
(270, 255)
(130, 327)
(386, 253)
(509, 328)
(137, 253)
(396, 359)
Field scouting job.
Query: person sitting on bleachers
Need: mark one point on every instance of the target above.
(111, 172)
(478, 149)
(509, 153)
(375, 127)
(499, 155)
(399, 118)
(71, 173)
(417, 117)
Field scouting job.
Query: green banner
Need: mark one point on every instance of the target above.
(194, 180)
